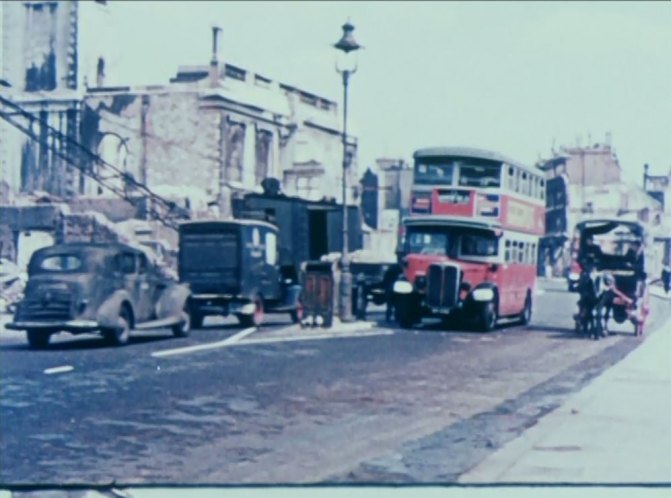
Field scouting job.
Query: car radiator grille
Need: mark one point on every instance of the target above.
(442, 286)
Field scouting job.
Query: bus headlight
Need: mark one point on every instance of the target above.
(402, 287)
(485, 294)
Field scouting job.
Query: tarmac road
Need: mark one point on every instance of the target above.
(280, 405)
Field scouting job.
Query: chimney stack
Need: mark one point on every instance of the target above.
(214, 63)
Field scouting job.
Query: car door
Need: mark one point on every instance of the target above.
(148, 281)
(135, 284)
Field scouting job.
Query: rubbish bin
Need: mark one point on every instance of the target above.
(318, 288)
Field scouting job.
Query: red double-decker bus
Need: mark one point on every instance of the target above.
(470, 244)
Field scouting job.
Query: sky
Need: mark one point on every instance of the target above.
(516, 77)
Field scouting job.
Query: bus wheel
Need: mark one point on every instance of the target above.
(488, 316)
(525, 316)
(405, 313)
(38, 339)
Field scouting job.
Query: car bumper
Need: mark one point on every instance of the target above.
(67, 325)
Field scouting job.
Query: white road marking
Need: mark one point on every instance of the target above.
(202, 347)
(335, 335)
(539, 292)
(56, 370)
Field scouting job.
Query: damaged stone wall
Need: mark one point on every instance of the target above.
(172, 140)
(168, 142)
(84, 228)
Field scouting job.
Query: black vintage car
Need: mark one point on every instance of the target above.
(108, 288)
(232, 267)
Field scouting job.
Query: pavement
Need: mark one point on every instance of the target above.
(617, 430)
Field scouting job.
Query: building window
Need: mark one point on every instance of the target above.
(261, 81)
(235, 72)
(308, 99)
(307, 187)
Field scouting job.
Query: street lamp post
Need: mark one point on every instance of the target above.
(347, 45)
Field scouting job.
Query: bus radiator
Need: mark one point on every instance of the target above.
(442, 286)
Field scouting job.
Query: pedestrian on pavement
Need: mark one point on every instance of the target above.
(390, 277)
(666, 278)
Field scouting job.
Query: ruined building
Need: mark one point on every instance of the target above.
(212, 132)
(217, 128)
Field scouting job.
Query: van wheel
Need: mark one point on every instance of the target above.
(38, 339)
(525, 316)
(197, 321)
(256, 318)
(120, 335)
(196, 318)
(405, 314)
(488, 316)
(183, 328)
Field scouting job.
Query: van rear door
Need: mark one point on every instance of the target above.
(209, 259)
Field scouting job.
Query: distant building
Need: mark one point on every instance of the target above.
(659, 188)
(587, 182)
(384, 201)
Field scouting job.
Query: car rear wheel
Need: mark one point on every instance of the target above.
(183, 328)
(38, 339)
(119, 335)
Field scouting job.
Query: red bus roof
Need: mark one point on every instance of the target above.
(467, 152)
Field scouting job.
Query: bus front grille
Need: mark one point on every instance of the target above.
(442, 286)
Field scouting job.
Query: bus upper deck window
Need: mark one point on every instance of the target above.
(480, 175)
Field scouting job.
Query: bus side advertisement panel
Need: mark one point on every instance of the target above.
(522, 215)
